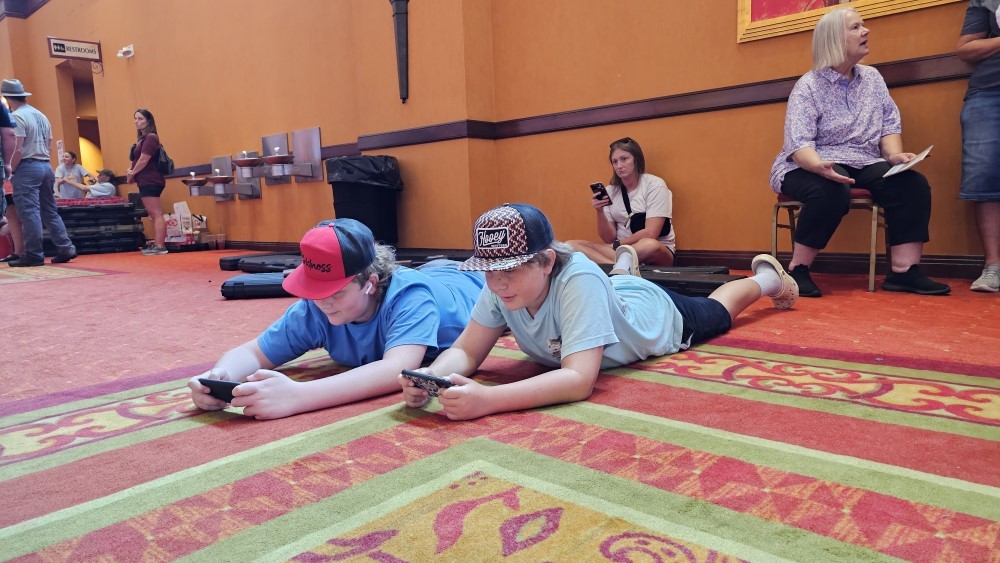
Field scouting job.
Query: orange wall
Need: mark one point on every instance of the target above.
(220, 75)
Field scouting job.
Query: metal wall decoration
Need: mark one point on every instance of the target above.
(400, 18)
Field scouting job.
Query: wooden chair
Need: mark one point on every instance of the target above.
(860, 199)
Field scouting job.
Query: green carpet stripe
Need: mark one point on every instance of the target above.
(881, 369)
(33, 535)
(687, 519)
(98, 447)
(916, 486)
(65, 408)
(815, 404)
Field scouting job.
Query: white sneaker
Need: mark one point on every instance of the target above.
(633, 269)
(989, 281)
(153, 250)
(789, 293)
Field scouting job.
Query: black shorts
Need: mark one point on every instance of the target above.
(704, 318)
(9, 198)
(151, 191)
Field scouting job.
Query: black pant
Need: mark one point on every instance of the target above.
(905, 198)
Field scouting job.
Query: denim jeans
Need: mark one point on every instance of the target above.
(981, 147)
(36, 204)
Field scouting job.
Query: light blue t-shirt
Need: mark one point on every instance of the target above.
(428, 308)
(632, 318)
(102, 189)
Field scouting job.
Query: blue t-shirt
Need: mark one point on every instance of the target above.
(429, 308)
(632, 318)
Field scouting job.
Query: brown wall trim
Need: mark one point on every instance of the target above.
(19, 8)
(898, 73)
(468, 129)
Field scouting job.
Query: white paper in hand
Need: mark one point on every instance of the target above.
(907, 165)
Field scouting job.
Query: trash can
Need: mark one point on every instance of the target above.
(365, 188)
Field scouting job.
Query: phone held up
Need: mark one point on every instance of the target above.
(430, 383)
(599, 190)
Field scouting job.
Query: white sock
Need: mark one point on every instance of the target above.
(624, 262)
(768, 279)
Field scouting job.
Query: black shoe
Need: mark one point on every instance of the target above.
(914, 281)
(807, 288)
(63, 258)
(10, 257)
(25, 263)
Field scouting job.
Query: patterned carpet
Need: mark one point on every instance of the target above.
(46, 273)
(722, 453)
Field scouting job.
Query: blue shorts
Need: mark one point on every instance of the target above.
(981, 147)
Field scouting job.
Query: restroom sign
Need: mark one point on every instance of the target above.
(74, 49)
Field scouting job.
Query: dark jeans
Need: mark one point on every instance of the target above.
(905, 198)
(36, 205)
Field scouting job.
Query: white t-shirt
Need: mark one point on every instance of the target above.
(651, 197)
(73, 174)
(632, 318)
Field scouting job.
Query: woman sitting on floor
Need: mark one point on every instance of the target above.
(634, 210)
(842, 128)
(566, 313)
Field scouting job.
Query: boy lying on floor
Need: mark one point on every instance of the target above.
(359, 305)
(567, 314)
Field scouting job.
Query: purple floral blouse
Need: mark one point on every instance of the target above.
(844, 121)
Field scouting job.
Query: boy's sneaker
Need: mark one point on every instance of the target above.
(914, 281)
(153, 250)
(807, 288)
(989, 281)
(789, 293)
(633, 268)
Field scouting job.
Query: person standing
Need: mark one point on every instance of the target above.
(979, 44)
(146, 174)
(34, 180)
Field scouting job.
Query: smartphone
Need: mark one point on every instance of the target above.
(222, 390)
(599, 189)
(430, 383)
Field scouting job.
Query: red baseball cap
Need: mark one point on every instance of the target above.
(332, 254)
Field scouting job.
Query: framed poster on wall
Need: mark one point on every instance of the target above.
(760, 19)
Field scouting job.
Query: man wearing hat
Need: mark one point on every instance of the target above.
(104, 187)
(368, 313)
(33, 180)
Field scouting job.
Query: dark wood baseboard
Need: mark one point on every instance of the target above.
(276, 247)
(940, 266)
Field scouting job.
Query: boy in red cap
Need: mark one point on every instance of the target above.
(364, 309)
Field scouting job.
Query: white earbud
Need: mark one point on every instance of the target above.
(368, 289)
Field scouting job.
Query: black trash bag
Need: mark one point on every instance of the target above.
(365, 188)
(379, 171)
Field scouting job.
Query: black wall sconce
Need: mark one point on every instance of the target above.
(399, 21)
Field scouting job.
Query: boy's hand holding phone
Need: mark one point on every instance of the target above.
(202, 395)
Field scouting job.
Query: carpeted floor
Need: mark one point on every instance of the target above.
(857, 427)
